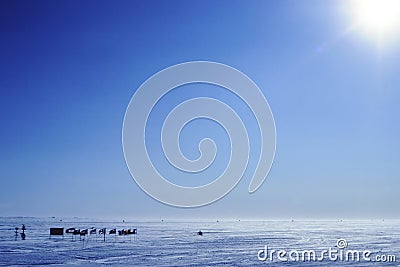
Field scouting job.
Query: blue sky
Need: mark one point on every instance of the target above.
(69, 68)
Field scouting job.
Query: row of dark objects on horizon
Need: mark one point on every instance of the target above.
(57, 231)
(93, 230)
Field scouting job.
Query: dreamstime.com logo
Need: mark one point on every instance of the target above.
(339, 253)
(151, 91)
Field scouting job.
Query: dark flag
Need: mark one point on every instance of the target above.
(70, 231)
(84, 232)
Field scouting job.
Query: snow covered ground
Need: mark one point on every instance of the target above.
(176, 243)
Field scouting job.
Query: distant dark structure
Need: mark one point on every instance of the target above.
(200, 233)
(23, 235)
(57, 232)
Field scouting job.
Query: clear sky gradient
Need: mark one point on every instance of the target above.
(69, 68)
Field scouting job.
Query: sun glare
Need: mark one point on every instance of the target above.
(378, 17)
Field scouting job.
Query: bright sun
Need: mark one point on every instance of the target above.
(378, 17)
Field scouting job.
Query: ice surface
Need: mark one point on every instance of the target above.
(175, 243)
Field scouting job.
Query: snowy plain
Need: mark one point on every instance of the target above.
(176, 243)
